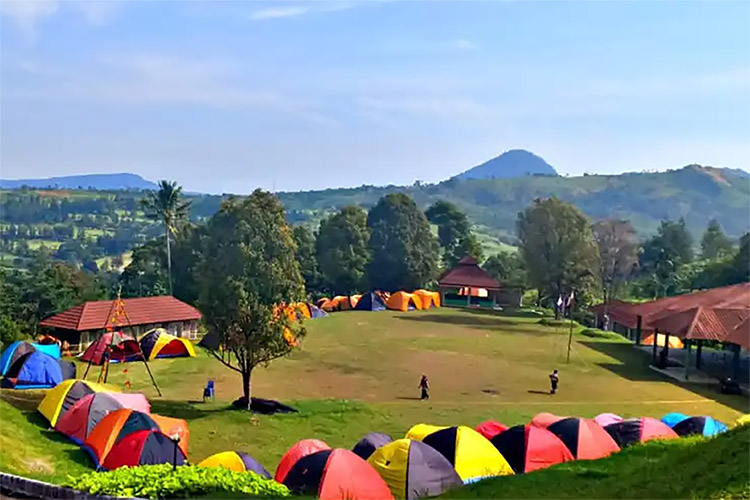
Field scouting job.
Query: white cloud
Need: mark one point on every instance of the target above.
(441, 106)
(278, 12)
(463, 44)
(27, 13)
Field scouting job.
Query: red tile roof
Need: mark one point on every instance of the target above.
(741, 334)
(468, 274)
(704, 323)
(140, 311)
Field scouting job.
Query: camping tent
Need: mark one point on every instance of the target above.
(326, 304)
(121, 347)
(370, 302)
(412, 469)
(673, 418)
(471, 454)
(429, 299)
(403, 301)
(37, 370)
(585, 439)
(80, 420)
(528, 448)
(490, 428)
(303, 310)
(604, 419)
(236, 461)
(369, 443)
(336, 474)
(674, 342)
(639, 430)
(420, 431)
(158, 343)
(316, 312)
(20, 348)
(704, 426)
(64, 395)
(143, 447)
(297, 451)
(545, 419)
(354, 300)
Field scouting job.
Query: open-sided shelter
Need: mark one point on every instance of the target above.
(528, 448)
(585, 439)
(412, 469)
(236, 461)
(468, 275)
(297, 451)
(336, 475)
(403, 301)
(639, 430)
(369, 443)
(78, 422)
(64, 395)
(370, 301)
(158, 343)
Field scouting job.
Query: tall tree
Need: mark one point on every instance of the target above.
(714, 242)
(508, 268)
(248, 270)
(558, 247)
(404, 252)
(664, 254)
(454, 232)
(742, 260)
(618, 254)
(308, 261)
(166, 205)
(145, 276)
(341, 249)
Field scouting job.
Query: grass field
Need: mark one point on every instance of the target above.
(358, 372)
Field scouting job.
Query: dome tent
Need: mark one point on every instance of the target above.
(20, 348)
(704, 426)
(297, 451)
(528, 448)
(121, 347)
(37, 370)
(491, 428)
(639, 430)
(64, 395)
(143, 447)
(80, 420)
(403, 301)
(585, 439)
(674, 418)
(236, 461)
(369, 443)
(412, 469)
(158, 343)
(370, 302)
(605, 419)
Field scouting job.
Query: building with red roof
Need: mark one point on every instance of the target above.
(86, 322)
(468, 279)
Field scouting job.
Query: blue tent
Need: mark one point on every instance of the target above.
(370, 302)
(705, 426)
(21, 348)
(674, 418)
(316, 312)
(38, 371)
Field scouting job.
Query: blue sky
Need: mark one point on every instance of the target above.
(227, 96)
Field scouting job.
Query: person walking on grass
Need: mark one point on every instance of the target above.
(553, 380)
(424, 385)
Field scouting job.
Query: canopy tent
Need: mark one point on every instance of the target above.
(21, 348)
(236, 461)
(403, 301)
(64, 395)
(528, 448)
(297, 451)
(369, 443)
(370, 301)
(80, 420)
(490, 428)
(412, 469)
(158, 343)
(702, 426)
(37, 370)
(336, 474)
(639, 430)
(585, 439)
(143, 447)
(119, 346)
(472, 455)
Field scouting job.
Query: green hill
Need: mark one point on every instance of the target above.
(696, 193)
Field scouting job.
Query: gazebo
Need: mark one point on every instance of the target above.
(467, 277)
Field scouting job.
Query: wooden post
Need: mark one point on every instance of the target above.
(698, 353)
(666, 349)
(687, 359)
(656, 345)
(736, 373)
(468, 296)
(638, 330)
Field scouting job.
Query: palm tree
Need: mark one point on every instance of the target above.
(166, 205)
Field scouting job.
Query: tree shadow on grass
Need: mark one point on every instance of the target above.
(458, 319)
(635, 366)
(408, 398)
(188, 410)
(532, 391)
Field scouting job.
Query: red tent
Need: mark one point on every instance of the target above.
(491, 428)
(639, 430)
(585, 439)
(528, 448)
(297, 451)
(122, 347)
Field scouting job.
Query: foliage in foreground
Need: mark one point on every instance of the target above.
(160, 481)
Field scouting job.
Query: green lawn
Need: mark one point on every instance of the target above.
(357, 372)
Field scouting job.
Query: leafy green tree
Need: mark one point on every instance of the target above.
(308, 261)
(663, 256)
(248, 268)
(404, 252)
(508, 268)
(341, 249)
(742, 260)
(558, 248)
(186, 255)
(166, 205)
(454, 233)
(618, 254)
(714, 242)
(145, 276)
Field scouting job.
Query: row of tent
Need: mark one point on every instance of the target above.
(380, 301)
(115, 428)
(31, 365)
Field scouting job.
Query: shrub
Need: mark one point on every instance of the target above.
(598, 334)
(160, 481)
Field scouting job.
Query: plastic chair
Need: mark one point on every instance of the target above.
(208, 391)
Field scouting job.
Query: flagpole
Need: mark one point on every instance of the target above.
(570, 321)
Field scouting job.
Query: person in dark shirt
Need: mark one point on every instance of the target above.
(424, 384)
(553, 380)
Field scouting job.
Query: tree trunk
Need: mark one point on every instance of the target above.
(169, 258)
(247, 386)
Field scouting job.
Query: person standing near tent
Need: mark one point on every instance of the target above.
(424, 385)
(553, 380)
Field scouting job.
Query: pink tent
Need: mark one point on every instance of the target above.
(604, 419)
(545, 419)
(83, 416)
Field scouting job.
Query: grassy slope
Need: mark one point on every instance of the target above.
(357, 372)
(685, 468)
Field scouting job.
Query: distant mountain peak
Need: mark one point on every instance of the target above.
(511, 164)
(102, 182)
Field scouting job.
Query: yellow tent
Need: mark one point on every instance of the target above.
(354, 300)
(743, 420)
(419, 431)
(64, 395)
(303, 309)
(403, 301)
(158, 343)
(674, 342)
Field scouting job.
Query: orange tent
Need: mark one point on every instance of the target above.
(354, 300)
(429, 299)
(403, 301)
(674, 342)
(340, 303)
(325, 304)
(303, 309)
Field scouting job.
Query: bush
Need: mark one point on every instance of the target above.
(555, 323)
(160, 481)
(598, 334)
